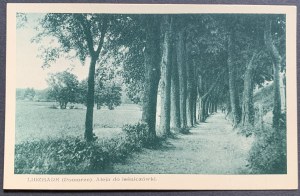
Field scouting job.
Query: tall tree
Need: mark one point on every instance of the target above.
(277, 61)
(63, 88)
(175, 93)
(94, 55)
(191, 91)
(152, 72)
(249, 41)
(84, 34)
(233, 91)
(180, 51)
(166, 70)
(248, 105)
(133, 39)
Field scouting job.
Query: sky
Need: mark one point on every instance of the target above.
(29, 71)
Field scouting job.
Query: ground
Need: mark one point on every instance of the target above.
(210, 148)
(36, 120)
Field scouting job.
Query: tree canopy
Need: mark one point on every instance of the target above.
(63, 87)
(202, 61)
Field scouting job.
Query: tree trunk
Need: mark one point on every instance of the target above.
(189, 102)
(276, 69)
(202, 110)
(182, 78)
(206, 106)
(152, 75)
(166, 77)
(282, 91)
(191, 91)
(199, 93)
(195, 110)
(175, 94)
(277, 98)
(228, 104)
(189, 111)
(61, 105)
(88, 134)
(210, 107)
(216, 107)
(247, 107)
(260, 117)
(233, 92)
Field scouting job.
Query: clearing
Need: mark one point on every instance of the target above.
(35, 120)
(210, 148)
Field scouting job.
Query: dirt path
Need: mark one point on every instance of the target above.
(211, 148)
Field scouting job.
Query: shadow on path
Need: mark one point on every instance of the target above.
(211, 148)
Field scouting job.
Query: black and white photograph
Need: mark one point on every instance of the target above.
(127, 97)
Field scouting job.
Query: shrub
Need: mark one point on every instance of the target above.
(120, 148)
(247, 130)
(60, 156)
(74, 155)
(138, 134)
(268, 152)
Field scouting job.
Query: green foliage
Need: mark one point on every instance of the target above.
(68, 31)
(109, 95)
(70, 155)
(268, 153)
(82, 92)
(29, 93)
(25, 94)
(60, 156)
(138, 134)
(73, 155)
(134, 91)
(63, 88)
(107, 88)
(21, 19)
(131, 44)
(41, 95)
(264, 96)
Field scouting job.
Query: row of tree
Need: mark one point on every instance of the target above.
(194, 62)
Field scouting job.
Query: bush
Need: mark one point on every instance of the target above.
(74, 155)
(247, 130)
(60, 156)
(268, 152)
(138, 134)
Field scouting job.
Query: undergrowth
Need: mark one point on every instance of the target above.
(74, 155)
(268, 152)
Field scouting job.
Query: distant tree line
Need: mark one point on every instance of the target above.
(65, 88)
(25, 94)
(31, 94)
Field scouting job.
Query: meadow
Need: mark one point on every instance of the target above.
(37, 120)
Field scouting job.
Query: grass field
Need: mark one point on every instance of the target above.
(36, 120)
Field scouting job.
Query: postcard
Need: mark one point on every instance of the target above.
(150, 97)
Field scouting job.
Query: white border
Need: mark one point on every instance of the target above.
(163, 181)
